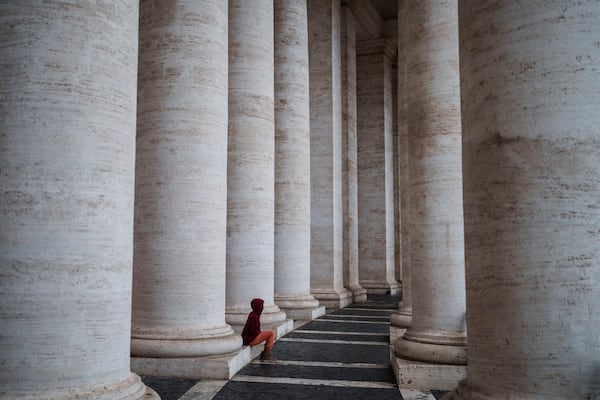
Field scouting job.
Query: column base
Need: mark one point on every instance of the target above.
(132, 388)
(359, 294)
(379, 287)
(425, 376)
(304, 308)
(432, 347)
(333, 298)
(221, 340)
(224, 366)
(400, 321)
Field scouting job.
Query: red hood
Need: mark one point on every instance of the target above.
(257, 305)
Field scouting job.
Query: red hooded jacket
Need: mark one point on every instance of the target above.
(252, 326)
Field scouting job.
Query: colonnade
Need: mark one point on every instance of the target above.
(262, 166)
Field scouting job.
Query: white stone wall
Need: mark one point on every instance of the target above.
(67, 148)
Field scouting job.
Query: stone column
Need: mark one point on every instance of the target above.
(181, 182)
(531, 114)
(401, 320)
(292, 163)
(250, 167)
(349, 183)
(375, 166)
(68, 75)
(437, 333)
(327, 274)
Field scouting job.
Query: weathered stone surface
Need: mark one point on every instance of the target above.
(67, 144)
(327, 279)
(350, 177)
(250, 166)
(437, 332)
(531, 93)
(402, 319)
(292, 161)
(375, 166)
(181, 182)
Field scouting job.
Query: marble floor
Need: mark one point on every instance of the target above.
(343, 354)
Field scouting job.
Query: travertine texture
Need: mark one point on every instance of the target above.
(403, 317)
(396, 172)
(327, 274)
(250, 166)
(531, 118)
(437, 333)
(181, 182)
(67, 145)
(375, 166)
(349, 184)
(292, 158)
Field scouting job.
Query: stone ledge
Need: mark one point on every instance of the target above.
(209, 367)
(304, 314)
(215, 367)
(424, 376)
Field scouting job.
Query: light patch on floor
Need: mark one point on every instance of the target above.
(410, 394)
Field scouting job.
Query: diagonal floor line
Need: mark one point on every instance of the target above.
(315, 382)
(307, 331)
(324, 364)
(410, 394)
(285, 339)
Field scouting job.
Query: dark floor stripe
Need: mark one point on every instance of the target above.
(337, 336)
(276, 391)
(317, 325)
(329, 352)
(350, 318)
(370, 312)
(312, 372)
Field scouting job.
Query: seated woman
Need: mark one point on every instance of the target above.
(252, 334)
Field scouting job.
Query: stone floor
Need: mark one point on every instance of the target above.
(343, 354)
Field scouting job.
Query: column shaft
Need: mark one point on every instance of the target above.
(67, 149)
(437, 332)
(292, 161)
(181, 182)
(250, 168)
(375, 166)
(350, 177)
(531, 114)
(402, 318)
(327, 279)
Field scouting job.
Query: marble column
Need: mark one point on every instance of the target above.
(327, 274)
(68, 75)
(292, 163)
(531, 113)
(375, 149)
(181, 182)
(437, 333)
(350, 177)
(250, 167)
(401, 319)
